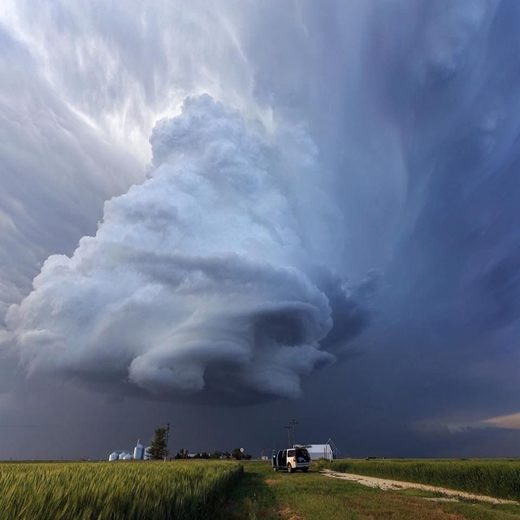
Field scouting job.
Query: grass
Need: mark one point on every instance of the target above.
(211, 490)
(103, 491)
(496, 478)
(263, 494)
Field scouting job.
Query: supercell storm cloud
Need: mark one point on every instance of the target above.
(199, 279)
(268, 203)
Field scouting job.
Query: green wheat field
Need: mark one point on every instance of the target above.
(130, 490)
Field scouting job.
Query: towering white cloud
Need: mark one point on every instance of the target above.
(199, 279)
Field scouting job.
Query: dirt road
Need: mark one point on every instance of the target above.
(386, 484)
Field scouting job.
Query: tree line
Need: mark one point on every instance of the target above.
(235, 454)
(159, 450)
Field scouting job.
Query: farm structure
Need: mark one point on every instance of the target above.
(327, 451)
(139, 453)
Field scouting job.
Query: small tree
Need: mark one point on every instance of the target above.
(158, 448)
(237, 454)
(182, 454)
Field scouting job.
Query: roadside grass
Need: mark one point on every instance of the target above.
(264, 494)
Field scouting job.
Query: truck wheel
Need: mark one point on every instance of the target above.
(289, 468)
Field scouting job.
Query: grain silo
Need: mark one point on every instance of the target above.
(113, 456)
(139, 451)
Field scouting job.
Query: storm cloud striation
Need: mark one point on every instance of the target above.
(199, 280)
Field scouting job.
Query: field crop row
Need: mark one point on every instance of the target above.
(497, 478)
(113, 491)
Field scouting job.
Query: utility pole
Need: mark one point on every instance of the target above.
(293, 423)
(288, 428)
(167, 440)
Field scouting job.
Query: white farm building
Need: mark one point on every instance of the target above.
(327, 451)
(320, 451)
